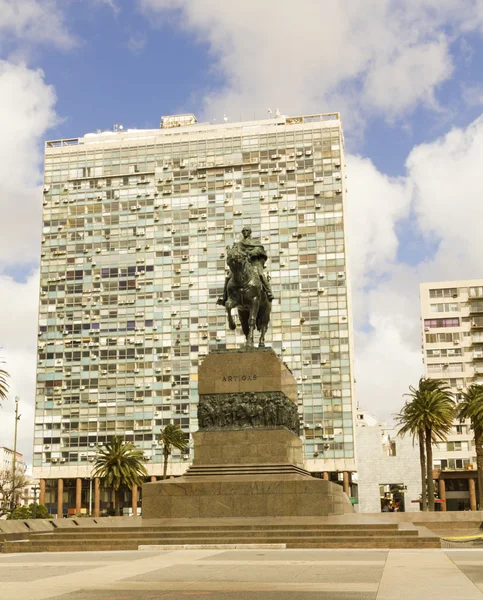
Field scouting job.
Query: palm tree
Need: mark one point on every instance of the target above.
(430, 413)
(119, 464)
(472, 408)
(3, 383)
(409, 421)
(171, 437)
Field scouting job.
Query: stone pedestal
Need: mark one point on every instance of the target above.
(248, 456)
(247, 447)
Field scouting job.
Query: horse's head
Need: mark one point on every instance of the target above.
(236, 258)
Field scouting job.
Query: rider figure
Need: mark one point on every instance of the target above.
(257, 255)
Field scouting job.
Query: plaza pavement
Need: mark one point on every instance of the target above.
(255, 574)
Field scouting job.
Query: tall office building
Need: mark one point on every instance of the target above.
(136, 228)
(452, 319)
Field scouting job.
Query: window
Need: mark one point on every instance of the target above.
(443, 293)
(434, 338)
(444, 307)
(454, 322)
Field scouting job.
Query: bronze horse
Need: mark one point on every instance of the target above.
(246, 293)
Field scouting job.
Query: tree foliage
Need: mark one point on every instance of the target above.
(471, 408)
(119, 464)
(27, 512)
(427, 415)
(171, 436)
(10, 489)
(3, 384)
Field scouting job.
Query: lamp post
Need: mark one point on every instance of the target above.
(14, 460)
(35, 489)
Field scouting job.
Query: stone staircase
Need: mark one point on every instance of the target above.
(295, 535)
(262, 469)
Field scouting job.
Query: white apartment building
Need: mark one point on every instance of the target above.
(136, 224)
(6, 461)
(452, 321)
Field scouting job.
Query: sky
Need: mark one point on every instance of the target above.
(405, 75)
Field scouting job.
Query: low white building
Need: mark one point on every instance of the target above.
(388, 469)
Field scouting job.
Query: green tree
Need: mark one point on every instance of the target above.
(119, 464)
(3, 384)
(410, 423)
(471, 408)
(429, 413)
(171, 437)
(27, 512)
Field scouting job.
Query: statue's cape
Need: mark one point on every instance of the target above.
(254, 247)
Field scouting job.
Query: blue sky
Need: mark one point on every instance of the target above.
(405, 74)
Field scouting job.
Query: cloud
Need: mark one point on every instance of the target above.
(381, 57)
(472, 94)
(26, 112)
(110, 3)
(441, 189)
(34, 22)
(18, 345)
(136, 44)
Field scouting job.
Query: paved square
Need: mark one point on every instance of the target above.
(244, 575)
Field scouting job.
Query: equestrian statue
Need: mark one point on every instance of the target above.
(247, 288)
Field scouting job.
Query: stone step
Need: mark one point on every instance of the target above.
(201, 539)
(87, 535)
(342, 542)
(263, 469)
(222, 527)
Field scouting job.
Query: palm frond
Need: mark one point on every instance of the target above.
(3, 383)
(120, 463)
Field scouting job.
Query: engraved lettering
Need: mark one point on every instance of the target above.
(231, 378)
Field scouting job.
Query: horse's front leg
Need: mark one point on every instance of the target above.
(252, 320)
(261, 342)
(231, 323)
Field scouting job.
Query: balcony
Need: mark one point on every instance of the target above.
(476, 307)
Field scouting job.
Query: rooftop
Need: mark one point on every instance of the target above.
(187, 124)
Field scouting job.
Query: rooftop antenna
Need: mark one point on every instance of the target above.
(117, 127)
(277, 112)
(270, 113)
(225, 118)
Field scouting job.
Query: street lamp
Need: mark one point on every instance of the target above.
(14, 460)
(35, 490)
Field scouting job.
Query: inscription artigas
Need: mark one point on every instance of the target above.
(228, 378)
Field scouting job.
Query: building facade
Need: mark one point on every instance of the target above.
(452, 320)
(136, 225)
(388, 469)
